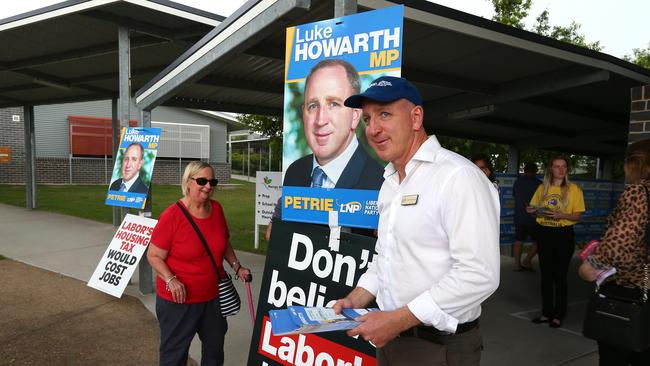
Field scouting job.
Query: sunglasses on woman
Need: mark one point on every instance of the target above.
(202, 181)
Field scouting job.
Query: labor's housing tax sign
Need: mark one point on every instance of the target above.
(301, 269)
(118, 263)
(326, 62)
(133, 168)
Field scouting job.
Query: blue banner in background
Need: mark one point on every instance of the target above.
(355, 207)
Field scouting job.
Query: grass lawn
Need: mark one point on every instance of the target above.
(87, 201)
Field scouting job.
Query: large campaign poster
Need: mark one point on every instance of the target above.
(133, 168)
(326, 62)
(123, 254)
(302, 269)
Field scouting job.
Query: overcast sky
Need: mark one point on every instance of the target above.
(618, 25)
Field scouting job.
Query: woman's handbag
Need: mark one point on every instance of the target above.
(620, 316)
(228, 297)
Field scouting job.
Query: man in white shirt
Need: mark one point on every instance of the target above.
(438, 245)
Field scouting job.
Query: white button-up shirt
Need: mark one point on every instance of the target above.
(439, 256)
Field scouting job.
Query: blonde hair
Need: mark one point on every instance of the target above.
(548, 180)
(190, 170)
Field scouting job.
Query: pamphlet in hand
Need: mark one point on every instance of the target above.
(588, 249)
(301, 319)
(604, 274)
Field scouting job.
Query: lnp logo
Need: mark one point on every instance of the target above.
(350, 207)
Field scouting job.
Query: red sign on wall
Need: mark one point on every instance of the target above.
(92, 135)
(5, 154)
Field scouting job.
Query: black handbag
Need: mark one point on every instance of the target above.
(619, 316)
(228, 297)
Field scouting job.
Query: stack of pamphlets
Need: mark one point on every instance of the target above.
(301, 319)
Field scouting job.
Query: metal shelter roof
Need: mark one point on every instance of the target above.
(479, 79)
(68, 51)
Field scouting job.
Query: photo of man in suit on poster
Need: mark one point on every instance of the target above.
(132, 161)
(338, 160)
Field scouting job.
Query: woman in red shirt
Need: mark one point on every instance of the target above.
(187, 293)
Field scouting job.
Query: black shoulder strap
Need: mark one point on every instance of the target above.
(198, 232)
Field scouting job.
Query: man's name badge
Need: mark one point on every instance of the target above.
(409, 200)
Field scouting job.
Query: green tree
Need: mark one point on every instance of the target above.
(640, 56)
(569, 34)
(498, 153)
(270, 126)
(511, 12)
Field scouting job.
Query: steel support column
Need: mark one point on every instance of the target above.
(344, 7)
(124, 63)
(116, 141)
(30, 157)
(144, 268)
(513, 160)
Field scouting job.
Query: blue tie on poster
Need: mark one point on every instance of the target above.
(318, 177)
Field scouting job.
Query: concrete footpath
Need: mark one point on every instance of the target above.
(72, 247)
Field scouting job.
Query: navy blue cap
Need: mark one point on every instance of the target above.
(386, 89)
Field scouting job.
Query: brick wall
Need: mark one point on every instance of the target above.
(98, 171)
(12, 135)
(169, 172)
(639, 114)
(76, 170)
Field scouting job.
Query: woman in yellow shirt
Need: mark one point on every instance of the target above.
(558, 204)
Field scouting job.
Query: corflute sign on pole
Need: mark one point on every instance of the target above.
(301, 269)
(326, 62)
(133, 167)
(118, 263)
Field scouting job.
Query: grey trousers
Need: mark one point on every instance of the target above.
(453, 350)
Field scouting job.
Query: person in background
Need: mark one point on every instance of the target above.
(132, 161)
(484, 163)
(623, 246)
(186, 286)
(438, 239)
(523, 190)
(558, 204)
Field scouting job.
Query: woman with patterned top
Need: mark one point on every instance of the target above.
(623, 245)
(558, 205)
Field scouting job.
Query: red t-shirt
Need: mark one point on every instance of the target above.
(186, 256)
